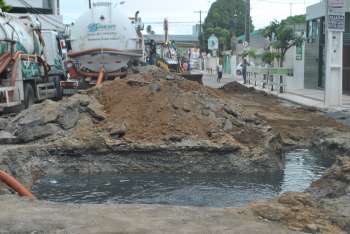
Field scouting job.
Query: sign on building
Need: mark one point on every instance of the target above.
(299, 53)
(336, 15)
(213, 43)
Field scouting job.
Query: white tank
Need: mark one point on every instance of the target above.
(104, 37)
(20, 32)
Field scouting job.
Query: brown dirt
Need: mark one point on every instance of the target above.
(180, 110)
(177, 110)
(299, 212)
(294, 123)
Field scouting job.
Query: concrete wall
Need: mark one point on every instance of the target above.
(297, 81)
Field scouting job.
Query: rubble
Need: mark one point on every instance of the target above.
(298, 211)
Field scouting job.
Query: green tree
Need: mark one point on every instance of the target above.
(4, 6)
(225, 19)
(282, 38)
(251, 53)
(269, 57)
(269, 31)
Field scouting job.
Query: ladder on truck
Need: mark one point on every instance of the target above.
(10, 95)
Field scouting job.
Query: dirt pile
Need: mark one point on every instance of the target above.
(50, 120)
(236, 87)
(333, 192)
(299, 212)
(149, 107)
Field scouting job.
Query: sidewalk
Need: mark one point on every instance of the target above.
(305, 97)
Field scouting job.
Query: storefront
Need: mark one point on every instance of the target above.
(315, 48)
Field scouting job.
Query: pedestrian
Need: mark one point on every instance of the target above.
(244, 70)
(219, 70)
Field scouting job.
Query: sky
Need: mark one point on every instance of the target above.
(182, 13)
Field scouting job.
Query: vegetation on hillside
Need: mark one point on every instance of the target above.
(225, 19)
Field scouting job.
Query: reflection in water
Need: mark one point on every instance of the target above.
(219, 190)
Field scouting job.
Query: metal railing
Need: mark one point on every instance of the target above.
(271, 79)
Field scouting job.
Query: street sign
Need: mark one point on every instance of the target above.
(336, 15)
(336, 22)
(336, 3)
(213, 42)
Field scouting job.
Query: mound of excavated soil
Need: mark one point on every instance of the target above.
(148, 107)
(237, 88)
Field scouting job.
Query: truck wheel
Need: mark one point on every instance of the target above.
(29, 96)
(59, 91)
(123, 70)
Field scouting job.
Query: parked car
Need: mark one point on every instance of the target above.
(239, 69)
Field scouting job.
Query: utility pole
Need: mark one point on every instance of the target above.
(247, 21)
(290, 9)
(89, 4)
(200, 25)
(335, 26)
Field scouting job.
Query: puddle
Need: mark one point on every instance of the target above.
(213, 190)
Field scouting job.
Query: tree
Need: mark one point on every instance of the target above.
(225, 19)
(4, 7)
(282, 37)
(251, 53)
(269, 31)
(150, 30)
(269, 57)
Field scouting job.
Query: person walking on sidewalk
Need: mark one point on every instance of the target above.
(244, 70)
(219, 70)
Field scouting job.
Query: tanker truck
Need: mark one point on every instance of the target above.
(102, 43)
(26, 76)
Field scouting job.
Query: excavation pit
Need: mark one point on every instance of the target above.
(184, 189)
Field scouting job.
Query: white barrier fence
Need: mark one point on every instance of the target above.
(271, 79)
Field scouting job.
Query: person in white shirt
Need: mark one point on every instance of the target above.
(219, 70)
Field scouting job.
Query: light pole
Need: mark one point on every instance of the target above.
(200, 26)
(247, 21)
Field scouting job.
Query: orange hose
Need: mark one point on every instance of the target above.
(15, 185)
(14, 68)
(101, 76)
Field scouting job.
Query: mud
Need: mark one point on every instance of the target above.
(145, 123)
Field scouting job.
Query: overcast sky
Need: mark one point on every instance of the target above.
(183, 11)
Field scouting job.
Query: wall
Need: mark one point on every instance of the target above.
(52, 5)
(297, 81)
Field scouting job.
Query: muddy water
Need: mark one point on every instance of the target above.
(215, 190)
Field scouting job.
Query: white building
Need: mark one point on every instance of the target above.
(47, 11)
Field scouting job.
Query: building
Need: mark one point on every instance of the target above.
(182, 41)
(315, 48)
(47, 11)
